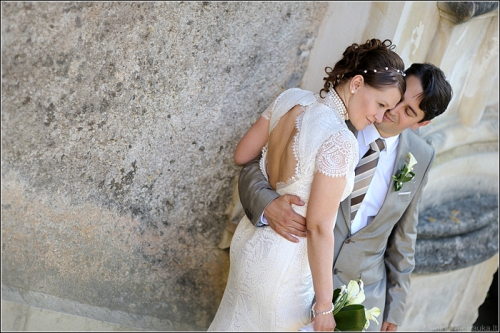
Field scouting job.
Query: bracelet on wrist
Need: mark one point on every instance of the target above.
(321, 312)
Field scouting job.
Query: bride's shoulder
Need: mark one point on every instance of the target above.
(297, 92)
(301, 96)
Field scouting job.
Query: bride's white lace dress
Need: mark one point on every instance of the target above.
(269, 287)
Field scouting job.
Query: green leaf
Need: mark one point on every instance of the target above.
(336, 293)
(351, 318)
(407, 178)
(397, 185)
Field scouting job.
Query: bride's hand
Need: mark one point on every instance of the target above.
(325, 323)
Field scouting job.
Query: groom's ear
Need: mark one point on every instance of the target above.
(422, 124)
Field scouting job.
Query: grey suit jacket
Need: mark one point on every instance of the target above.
(382, 253)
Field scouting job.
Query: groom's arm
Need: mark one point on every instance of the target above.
(258, 199)
(255, 191)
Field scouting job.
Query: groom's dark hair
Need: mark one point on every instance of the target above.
(437, 92)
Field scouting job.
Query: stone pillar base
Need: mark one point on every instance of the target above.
(453, 298)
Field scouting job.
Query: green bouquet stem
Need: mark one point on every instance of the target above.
(339, 303)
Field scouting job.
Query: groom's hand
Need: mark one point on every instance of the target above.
(284, 220)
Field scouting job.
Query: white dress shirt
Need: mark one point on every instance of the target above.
(379, 185)
(381, 180)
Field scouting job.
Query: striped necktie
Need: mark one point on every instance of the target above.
(364, 173)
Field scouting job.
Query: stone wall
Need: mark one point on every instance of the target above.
(119, 121)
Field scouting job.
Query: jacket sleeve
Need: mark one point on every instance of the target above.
(400, 255)
(255, 191)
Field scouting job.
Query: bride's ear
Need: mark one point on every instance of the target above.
(356, 82)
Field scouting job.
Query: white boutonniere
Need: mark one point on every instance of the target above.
(406, 174)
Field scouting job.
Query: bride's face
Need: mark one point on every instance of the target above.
(367, 105)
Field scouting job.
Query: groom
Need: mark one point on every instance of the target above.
(378, 245)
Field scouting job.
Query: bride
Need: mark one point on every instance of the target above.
(307, 150)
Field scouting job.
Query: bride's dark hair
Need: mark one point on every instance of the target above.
(375, 60)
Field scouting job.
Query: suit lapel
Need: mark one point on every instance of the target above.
(352, 128)
(345, 206)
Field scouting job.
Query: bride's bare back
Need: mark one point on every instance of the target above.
(281, 161)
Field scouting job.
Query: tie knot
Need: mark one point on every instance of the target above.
(378, 145)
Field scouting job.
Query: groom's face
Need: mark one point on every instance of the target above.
(406, 113)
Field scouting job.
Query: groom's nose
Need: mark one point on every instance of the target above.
(396, 109)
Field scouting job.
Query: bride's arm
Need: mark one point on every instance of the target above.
(323, 205)
(250, 145)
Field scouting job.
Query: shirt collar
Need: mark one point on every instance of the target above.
(370, 134)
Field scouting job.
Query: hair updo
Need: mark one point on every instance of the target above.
(375, 60)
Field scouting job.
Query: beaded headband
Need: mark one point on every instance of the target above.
(387, 68)
(339, 78)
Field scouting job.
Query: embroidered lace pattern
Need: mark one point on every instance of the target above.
(270, 286)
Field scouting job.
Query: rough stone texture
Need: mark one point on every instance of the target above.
(119, 121)
(466, 10)
(458, 217)
(451, 253)
(458, 224)
(457, 234)
(18, 317)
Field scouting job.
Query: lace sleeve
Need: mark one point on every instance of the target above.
(337, 155)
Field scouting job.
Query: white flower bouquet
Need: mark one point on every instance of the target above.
(349, 313)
